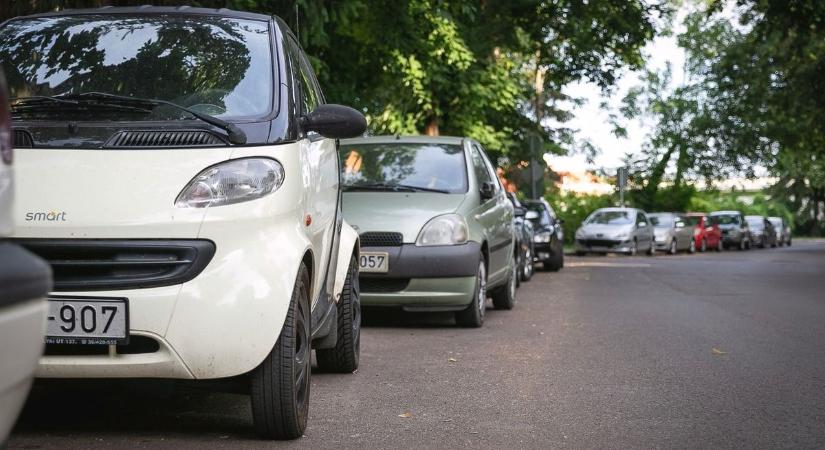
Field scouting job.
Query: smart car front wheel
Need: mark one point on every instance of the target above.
(280, 385)
(343, 358)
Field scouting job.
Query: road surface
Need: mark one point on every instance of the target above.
(711, 350)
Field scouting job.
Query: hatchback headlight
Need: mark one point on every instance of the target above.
(230, 182)
(449, 229)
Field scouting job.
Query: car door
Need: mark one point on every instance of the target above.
(320, 156)
(644, 236)
(494, 216)
(684, 233)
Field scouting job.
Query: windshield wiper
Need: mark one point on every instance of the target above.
(391, 187)
(235, 134)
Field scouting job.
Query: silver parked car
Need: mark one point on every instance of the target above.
(615, 230)
(783, 231)
(672, 233)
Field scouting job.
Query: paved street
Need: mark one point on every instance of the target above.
(713, 350)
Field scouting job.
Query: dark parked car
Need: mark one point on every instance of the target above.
(783, 231)
(524, 239)
(762, 232)
(549, 234)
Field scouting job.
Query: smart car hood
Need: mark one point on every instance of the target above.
(69, 193)
(402, 212)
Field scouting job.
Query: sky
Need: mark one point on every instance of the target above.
(592, 122)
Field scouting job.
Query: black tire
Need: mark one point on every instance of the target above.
(673, 249)
(720, 245)
(634, 249)
(651, 251)
(527, 270)
(580, 253)
(280, 385)
(789, 242)
(556, 261)
(519, 267)
(692, 246)
(346, 354)
(504, 297)
(704, 246)
(473, 315)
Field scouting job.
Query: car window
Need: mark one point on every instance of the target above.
(226, 72)
(661, 220)
(641, 219)
(309, 94)
(610, 218)
(679, 222)
(479, 167)
(392, 165)
(726, 219)
(693, 220)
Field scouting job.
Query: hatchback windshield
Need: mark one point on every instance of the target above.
(611, 218)
(692, 221)
(215, 65)
(755, 222)
(661, 220)
(404, 167)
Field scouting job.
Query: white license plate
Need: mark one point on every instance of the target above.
(89, 320)
(375, 262)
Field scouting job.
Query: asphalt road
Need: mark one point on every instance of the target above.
(703, 351)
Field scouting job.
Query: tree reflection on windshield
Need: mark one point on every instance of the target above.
(219, 66)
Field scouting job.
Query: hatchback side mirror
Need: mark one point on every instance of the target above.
(334, 122)
(487, 190)
(519, 211)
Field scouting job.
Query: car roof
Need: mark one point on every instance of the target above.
(696, 214)
(147, 9)
(618, 208)
(386, 139)
(725, 213)
(774, 218)
(754, 216)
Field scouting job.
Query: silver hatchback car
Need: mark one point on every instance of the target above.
(615, 230)
(672, 233)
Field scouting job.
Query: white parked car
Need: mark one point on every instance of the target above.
(24, 282)
(183, 182)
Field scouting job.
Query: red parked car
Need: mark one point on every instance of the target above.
(705, 233)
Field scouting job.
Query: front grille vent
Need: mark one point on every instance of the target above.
(599, 242)
(383, 285)
(381, 239)
(92, 264)
(22, 139)
(164, 139)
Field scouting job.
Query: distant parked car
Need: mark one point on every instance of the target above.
(549, 234)
(672, 234)
(762, 231)
(524, 239)
(734, 228)
(615, 230)
(783, 231)
(24, 282)
(706, 234)
(435, 224)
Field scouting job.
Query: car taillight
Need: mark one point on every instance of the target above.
(5, 124)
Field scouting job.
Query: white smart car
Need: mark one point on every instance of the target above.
(180, 173)
(24, 282)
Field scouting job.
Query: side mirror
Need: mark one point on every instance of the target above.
(334, 122)
(487, 190)
(531, 215)
(560, 221)
(519, 211)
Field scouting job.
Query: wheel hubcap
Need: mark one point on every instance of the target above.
(513, 276)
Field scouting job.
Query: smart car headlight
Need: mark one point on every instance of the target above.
(449, 229)
(235, 181)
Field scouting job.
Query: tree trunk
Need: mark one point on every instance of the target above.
(432, 126)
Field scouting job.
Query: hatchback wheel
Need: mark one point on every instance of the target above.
(344, 357)
(704, 247)
(673, 247)
(280, 385)
(473, 316)
(634, 248)
(504, 297)
(692, 247)
(527, 270)
(720, 245)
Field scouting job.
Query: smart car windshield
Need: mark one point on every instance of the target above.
(213, 65)
(610, 218)
(404, 167)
